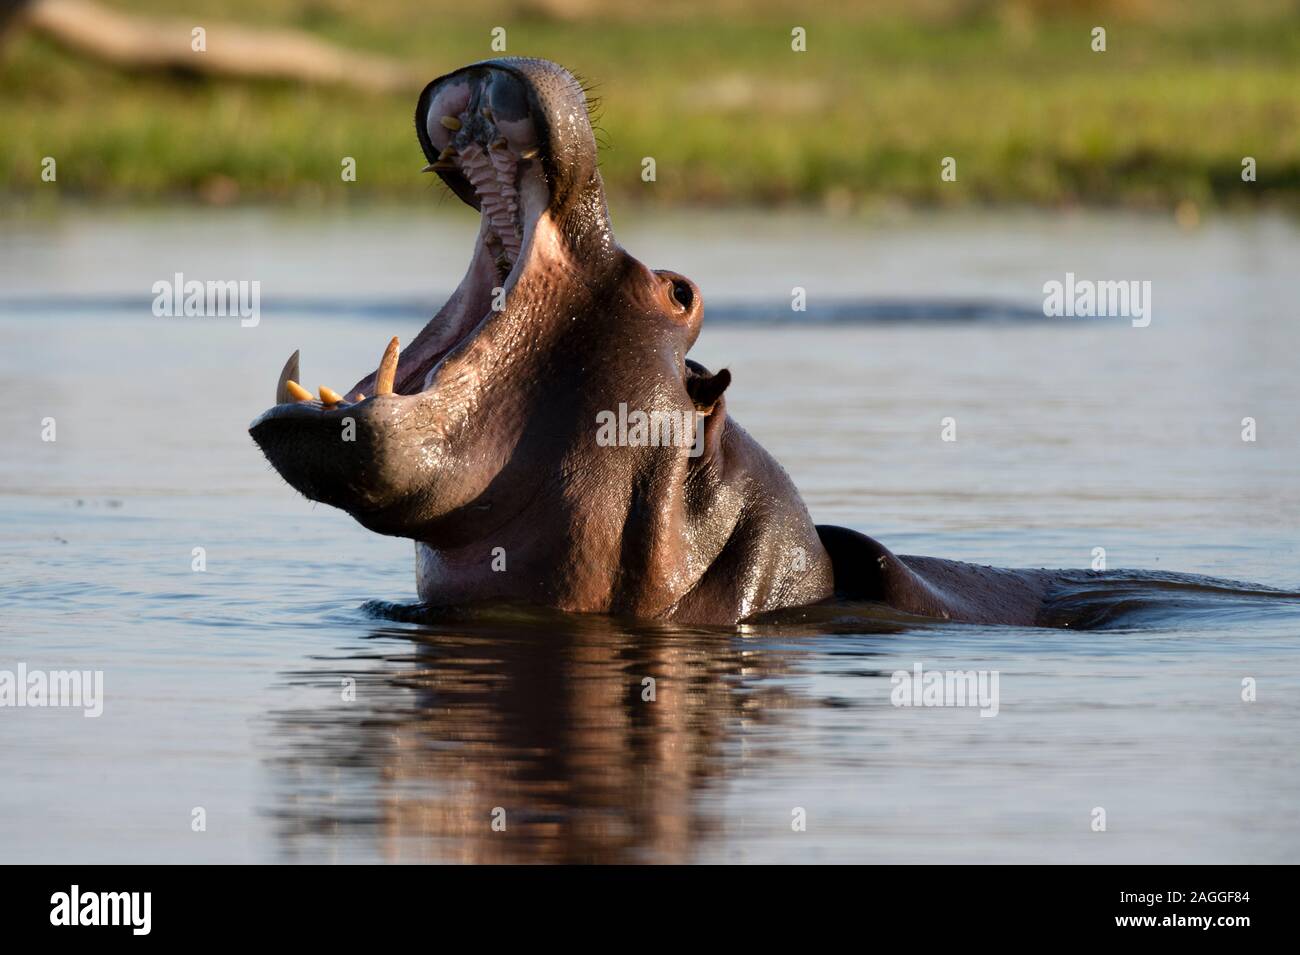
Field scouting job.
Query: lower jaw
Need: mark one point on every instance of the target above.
(409, 372)
(454, 324)
(484, 291)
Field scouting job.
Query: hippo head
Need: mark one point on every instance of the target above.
(486, 428)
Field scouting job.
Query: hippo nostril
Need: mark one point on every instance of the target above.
(683, 294)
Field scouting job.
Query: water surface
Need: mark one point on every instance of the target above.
(225, 689)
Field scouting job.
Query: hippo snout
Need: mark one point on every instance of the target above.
(355, 457)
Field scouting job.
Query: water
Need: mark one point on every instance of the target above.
(224, 688)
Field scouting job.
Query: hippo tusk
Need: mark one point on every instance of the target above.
(287, 377)
(387, 372)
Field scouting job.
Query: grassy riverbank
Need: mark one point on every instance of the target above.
(728, 111)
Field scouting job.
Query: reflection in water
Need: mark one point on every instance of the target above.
(545, 718)
(592, 739)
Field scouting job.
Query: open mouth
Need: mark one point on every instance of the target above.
(483, 134)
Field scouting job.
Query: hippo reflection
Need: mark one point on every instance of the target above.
(583, 741)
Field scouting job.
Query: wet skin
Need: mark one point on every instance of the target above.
(480, 442)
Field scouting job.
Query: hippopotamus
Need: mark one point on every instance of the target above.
(545, 439)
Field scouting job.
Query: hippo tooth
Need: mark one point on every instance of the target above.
(290, 371)
(450, 122)
(431, 167)
(448, 153)
(387, 369)
(296, 391)
(530, 153)
(329, 396)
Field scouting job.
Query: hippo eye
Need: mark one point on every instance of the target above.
(682, 292)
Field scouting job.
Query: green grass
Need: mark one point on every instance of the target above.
(730, 114)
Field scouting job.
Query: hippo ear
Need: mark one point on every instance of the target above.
(706, 389)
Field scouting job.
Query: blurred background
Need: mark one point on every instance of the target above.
(712, 91)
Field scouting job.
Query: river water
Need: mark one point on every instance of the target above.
(275, 707)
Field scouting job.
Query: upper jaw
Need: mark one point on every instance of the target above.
(511, 137)
(476, 150)
(525, 116)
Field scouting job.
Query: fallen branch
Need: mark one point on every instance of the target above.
(142, 43)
